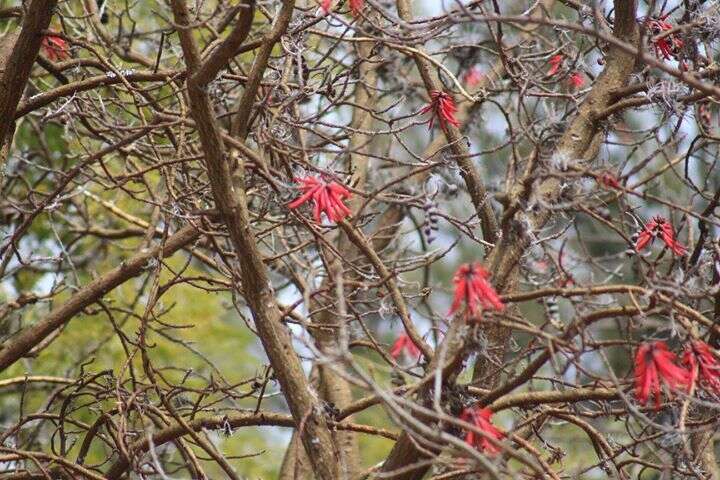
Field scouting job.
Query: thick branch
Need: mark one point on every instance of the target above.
(229, 47)
(27, 339)
(19, 64)
(230, 201)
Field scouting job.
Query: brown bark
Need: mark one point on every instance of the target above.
(18, 64)
(228, 191)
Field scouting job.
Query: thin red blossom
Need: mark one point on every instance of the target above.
(55, 48)
(473, 288)
(473, 77)
(703, 364)
(576, 79)
(404, 344)
(608, 180)
(443, 107)
(480, 419)
(356, 6)
(555, 64)
(668, 46)
(325, 5)
(327, 198)
(658, 226)
(654, 366)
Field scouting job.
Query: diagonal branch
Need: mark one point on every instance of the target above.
(229, 47)
(229, 193)
(241, 120)
(458, 146)
(27, 339)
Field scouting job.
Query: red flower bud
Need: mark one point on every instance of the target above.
(555, 64)
(55, 48)
(659, 226)
(404, 344)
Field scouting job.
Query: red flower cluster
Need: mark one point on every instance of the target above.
(655, 364)
(356, 6)
(443, 107)
(325, 5)
(473, 77)
(55, 48)
(555, 62)
(327, 198)
(703, 365)
(608, 180)
(480, 418)
(472, 286)
(659, 226)
(404, 344)
(669, 46)
(576, 79)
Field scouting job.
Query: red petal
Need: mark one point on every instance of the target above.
(302, 199)
(397, 347)
(460, 294)
(643, 240)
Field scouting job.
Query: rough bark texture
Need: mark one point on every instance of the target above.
(228, 190)
(18, 64)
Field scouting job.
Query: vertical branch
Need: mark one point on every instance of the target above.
(18, 65)
(240, 122)
(473, 181)
(230, 200)
(336, 388)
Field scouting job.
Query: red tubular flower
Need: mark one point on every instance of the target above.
(703, 364)
(356, 6)
(555, 64)
(654, 364)
(659, 226)
(443, 107)
(404, 344)
(55, 48)
(325, 5)
(480, 418)
(472, 286)
(668, 46)
(608, 180)
(327, 198)
(473, 77)
(576, 79)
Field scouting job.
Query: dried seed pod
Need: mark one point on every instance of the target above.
(430, 227)
(630, 251)
(552, 309)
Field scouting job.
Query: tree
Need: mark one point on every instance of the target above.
(415, 239)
